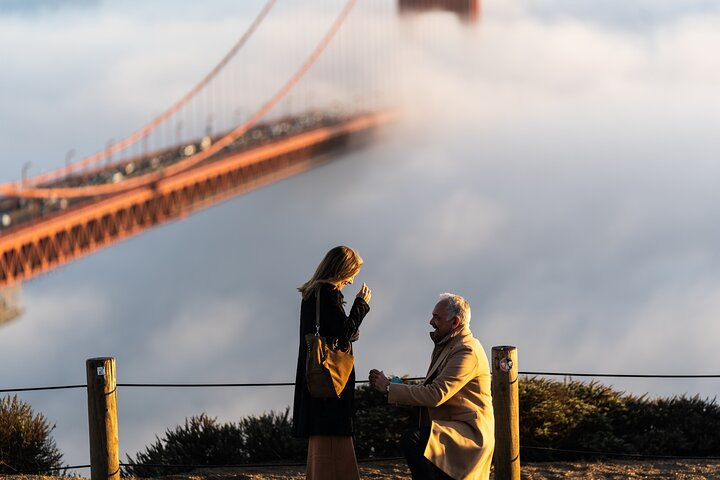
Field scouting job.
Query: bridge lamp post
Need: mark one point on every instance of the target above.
(309, 100)
(208, 128)
(68, 156)
(289, 105)
(145, 145)
(178, 130)
(26, 166)
(109, 153)
(358, 100)
(238, 116)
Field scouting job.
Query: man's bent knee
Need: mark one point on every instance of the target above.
(412, 440)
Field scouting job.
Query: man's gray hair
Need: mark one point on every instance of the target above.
(455, 305)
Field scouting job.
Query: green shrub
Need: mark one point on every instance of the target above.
(568, 415)
(682, 425)
(200, 441)
(25, 441)
(379, 426)
(204, 441)
(268, 438)
(559, 420)
(589, 417)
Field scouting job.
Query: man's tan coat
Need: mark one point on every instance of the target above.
(456, 394)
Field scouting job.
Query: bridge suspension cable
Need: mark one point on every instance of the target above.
(159, 120)
(189, 162)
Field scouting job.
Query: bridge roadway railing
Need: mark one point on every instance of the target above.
(502, 364)
(44, 244)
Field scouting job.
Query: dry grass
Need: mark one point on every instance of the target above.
(616, 470)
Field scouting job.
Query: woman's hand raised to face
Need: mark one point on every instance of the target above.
(364, 293)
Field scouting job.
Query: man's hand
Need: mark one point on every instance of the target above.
(378, 380)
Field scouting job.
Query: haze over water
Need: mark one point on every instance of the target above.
(555, 164)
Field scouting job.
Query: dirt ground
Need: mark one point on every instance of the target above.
(617, 470)
(397, 470)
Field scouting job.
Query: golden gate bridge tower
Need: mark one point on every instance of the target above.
(467, 10)
(210, 145)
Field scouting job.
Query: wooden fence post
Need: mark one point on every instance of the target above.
(102, 419)
(507, 417)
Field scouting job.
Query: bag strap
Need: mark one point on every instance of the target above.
(317, 312)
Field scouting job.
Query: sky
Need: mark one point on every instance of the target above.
(554, 164)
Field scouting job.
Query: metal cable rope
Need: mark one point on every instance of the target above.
(249, 465)
(620, 455)
(206, 385)
(34, 389)
(289, 384)
(171, 385)
(213, 385)
(619, 375)
(134, 137)
(49, 469)
(230, 465)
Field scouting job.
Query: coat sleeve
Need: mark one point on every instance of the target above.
(333, 320)
(460, 368)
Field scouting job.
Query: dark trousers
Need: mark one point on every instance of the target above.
(413, 443)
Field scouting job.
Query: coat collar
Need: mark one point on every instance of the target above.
(449, 336)
(444, 347)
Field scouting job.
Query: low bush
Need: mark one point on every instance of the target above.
(559, 420)
(25, 441)
(378, 426)
(268, 438)
(680, 425)
(203, 441)
(568, 415)
(580, 417)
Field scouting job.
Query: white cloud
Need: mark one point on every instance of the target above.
(459, 225)
(675, 330)
(205, 322)
(52, 323)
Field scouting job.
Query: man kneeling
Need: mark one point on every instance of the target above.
(455, 438)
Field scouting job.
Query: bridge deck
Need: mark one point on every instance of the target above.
(49, 241)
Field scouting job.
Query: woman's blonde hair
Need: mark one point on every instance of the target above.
(340, 264)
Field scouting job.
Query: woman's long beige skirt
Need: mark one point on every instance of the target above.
(331, 458)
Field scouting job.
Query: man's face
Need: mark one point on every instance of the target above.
(440, 321)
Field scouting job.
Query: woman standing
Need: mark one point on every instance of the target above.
(327, 422)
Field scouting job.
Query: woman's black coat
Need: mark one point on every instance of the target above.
(326, 416)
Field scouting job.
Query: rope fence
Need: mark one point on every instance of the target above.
(105, 463)
(636, 456)
(292, 384)
(36, 389)
(617, 375)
